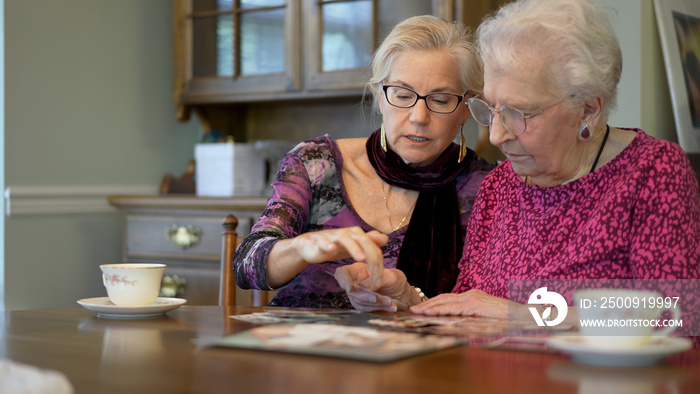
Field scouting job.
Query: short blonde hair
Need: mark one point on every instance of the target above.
(430, 33)
(573, 39)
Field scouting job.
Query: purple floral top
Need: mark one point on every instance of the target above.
(636, 217)
(309, 195)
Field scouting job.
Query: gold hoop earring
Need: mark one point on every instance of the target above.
(462, 146)
(382, 138)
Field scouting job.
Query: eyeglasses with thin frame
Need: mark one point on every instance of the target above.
(512, 119)
(441, 103)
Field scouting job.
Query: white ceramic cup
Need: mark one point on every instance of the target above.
(132, 284)
(623, 318)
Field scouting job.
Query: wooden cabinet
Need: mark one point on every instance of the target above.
(247, 51)
(186, 234)
(234, 51)
(288, 69)
(341, 36)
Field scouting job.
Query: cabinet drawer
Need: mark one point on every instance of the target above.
(146, 239)
(197, 237)
(202, 281)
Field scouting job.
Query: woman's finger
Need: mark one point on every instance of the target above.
(365, 301)
(443, 304)
(348, 275)
(362, 248)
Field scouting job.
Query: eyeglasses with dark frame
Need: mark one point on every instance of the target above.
(441, 103)
(514, 120)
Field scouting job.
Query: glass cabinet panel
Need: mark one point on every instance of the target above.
(259, 27)
(346, 42)
(347, 29)
(262, 41)
(223, 5)
(212, 34)
(341, 35)
(236, 50)
(260, 3)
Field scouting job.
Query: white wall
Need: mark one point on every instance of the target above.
(89, 112)
(644, 99)
(2, 149)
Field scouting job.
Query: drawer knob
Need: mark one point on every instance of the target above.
(173, 286)
(184, 236)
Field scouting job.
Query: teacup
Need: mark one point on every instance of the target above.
(623, 318)
(132, 284)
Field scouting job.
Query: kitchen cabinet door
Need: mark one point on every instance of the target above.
(341, 36)
(235, 50)
(244, 51)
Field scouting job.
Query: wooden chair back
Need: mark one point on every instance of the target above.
(227, 286)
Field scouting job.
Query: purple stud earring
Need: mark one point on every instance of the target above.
(584, 134)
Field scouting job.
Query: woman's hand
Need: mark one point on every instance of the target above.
(470, 303)
(392, 293)
(340, 243)
(288, 257)
(337, 244)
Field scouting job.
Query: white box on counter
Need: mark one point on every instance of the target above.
(229, 169)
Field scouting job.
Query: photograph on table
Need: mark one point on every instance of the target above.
(340, 341)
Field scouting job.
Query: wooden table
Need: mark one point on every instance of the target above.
(161, 355)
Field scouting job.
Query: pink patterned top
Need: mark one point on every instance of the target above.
(636, 217)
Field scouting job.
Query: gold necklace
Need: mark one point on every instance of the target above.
(388, 214)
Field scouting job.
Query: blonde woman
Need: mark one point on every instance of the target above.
(400, 199)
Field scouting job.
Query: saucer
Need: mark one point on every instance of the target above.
(649, 354)
(105, 308)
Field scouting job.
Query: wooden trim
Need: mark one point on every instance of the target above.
(471, 13)
(182, 51)
(227, 286)
(256, 204)
(444, 9)
(192, 258)
(65, 199)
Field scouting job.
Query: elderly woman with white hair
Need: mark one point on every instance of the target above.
(576, 198)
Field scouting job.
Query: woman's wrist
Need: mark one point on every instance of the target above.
(412, 295)
(420, 293)
(284, 262)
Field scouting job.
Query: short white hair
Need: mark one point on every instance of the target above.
(572, 39)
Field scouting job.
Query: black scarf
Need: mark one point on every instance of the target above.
(433, 243)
